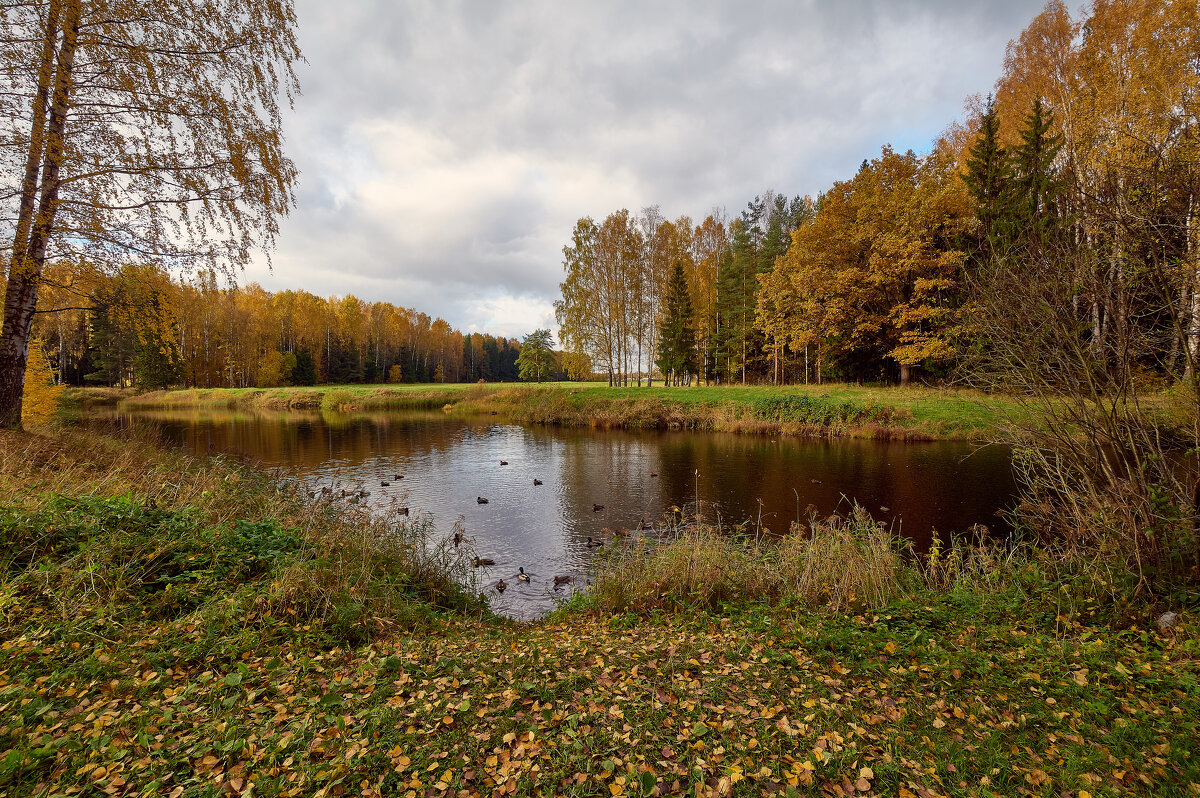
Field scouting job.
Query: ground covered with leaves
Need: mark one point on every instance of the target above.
(923, 699)
(190, 627)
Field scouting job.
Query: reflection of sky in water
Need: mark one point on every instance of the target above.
(448, 462)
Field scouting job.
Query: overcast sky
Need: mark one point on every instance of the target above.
(446, 149)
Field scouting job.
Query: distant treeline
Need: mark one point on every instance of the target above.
(141, 327)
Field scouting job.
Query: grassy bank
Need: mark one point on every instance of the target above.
(190, 627)
(889, 413)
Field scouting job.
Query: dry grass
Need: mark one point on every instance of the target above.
(838, 563)
(845, 563)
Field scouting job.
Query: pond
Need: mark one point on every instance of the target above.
(593, 481)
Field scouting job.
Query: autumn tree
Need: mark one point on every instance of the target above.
(1095, 299)
(874, 281)
(138, 131)
(41, 392)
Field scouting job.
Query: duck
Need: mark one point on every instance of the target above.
(597, 508)
(621, 533)
(384, 484)
(537, 482)
(653, 475)
(883, 508)
(594, 544)
(815, 481)
(503, 462)
(478, 561)
(561, 580)
(397, 476)
(501, 586)
(524, 577)
(402, 510)
(480, 500)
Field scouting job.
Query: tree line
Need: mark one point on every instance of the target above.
(1082, 164)
(140, 326)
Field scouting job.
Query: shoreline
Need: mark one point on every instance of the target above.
(914, 414)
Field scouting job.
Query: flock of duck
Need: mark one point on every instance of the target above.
(357, 494)
(501, 585)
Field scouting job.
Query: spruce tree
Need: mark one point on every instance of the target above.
(677, 338)
(305, 372)
(1031, 215)
(987, 171)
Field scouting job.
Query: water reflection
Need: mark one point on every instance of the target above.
(441, 465)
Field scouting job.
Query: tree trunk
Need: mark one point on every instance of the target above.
(1191, 309)
(20, 299)
(905, 375)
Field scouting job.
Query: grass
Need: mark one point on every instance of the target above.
(97, 528)
(193, 627)
(832, 409)
(836, 563)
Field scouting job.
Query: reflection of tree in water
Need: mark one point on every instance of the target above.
(610, 469)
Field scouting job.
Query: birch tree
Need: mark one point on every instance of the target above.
(145, 130)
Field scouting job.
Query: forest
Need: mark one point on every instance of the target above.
(142, 327)
(1080, 170)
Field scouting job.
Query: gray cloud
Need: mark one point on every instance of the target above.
(446, 149)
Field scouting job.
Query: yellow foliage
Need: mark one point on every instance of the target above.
(40, 395)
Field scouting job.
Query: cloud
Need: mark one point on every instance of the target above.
(446, 149)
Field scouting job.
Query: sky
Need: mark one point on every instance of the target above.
(446, 149)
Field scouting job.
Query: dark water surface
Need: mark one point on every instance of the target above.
(448, 462)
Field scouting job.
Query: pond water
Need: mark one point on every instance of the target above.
(448, 463)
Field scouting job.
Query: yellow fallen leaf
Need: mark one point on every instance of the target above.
(866, 773)
(938, 723)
